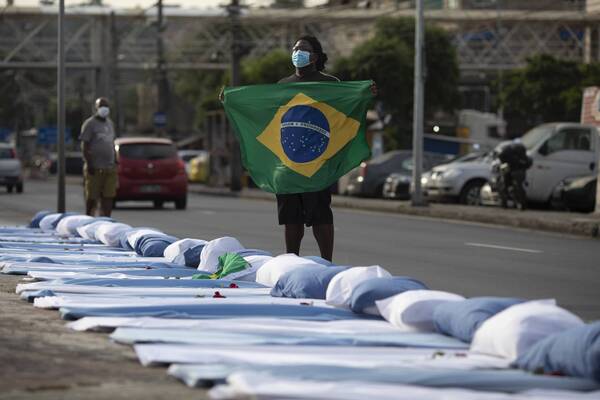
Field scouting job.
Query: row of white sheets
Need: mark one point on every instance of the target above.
(115, 286)
(206, 338)
(258, 385)
(343, 356)
(89, 267)
(510, 381)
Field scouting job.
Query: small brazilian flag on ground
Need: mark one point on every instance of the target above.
(300, 137)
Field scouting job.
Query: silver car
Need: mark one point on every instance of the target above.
(10, 169)
(460, 180)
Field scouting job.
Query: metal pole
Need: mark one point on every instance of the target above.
(163, 84)
(500, 108)
(236, 162)
(61, 107)
(417, 196)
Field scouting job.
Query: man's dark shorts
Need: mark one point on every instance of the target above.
(312, 208)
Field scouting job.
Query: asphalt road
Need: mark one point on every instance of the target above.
(469, 259)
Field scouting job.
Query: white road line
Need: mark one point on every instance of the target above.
(493, 246)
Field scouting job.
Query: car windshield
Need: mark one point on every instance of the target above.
(147, 151)
(535, 136)
(188, 157)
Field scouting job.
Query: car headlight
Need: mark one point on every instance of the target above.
(451, 173)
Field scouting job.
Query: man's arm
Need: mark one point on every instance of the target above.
(87, 157)
(85, 138)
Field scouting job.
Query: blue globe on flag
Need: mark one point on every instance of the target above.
(304, 133)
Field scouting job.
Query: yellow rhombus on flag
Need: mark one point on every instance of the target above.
(342, 129)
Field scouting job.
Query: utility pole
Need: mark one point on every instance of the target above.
(233, 10)
(417, 196)
(163, 83)
(114, 74)
(61, 107)
(500, 108)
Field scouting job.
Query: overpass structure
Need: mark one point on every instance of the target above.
(106, 46)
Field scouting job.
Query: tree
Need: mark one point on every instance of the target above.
(545, 90)
(388, 59)
(201, 88)
(269, 68)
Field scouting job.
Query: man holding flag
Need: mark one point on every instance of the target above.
(298, 137)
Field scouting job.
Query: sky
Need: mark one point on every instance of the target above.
(146, 3)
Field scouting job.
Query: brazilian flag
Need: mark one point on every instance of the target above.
(300, 137)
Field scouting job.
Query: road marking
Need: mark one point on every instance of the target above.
(493, 246)
(208, 212)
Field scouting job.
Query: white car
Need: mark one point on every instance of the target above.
(10, 169)
(460, 180)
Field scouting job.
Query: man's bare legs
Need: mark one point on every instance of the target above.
(90, 207)
(293, 237)
(324, 235)
(106, 205)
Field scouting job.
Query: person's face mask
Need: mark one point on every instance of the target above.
(103, 111)
(300, 58)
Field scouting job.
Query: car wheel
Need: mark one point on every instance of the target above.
(158, 204)
(20, 187)
(9, 188)
(181, 204)
(470, 194)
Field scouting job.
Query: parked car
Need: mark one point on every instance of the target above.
(559, 151)
(73, 163)
(187, 156)
(460, 180)
(399, 185)
(561, 154)
(200, 167)
(576, 194)
(369, 178)
(11, 175)
(150, 169)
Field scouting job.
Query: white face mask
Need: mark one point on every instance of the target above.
(103, 111)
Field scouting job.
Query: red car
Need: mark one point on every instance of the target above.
(150, 169)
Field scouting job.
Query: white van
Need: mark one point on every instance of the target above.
(559, 151)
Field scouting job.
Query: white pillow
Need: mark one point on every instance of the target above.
(249, 274)
(341, 285)
(209, 258)
(68, 225)
(412, 311)
(48, 220)
(134, 235)
(174, 252)
(109, 233)
(511, 332)
(271, 271)
(89, 231)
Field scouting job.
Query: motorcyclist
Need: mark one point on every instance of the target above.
(514, 164)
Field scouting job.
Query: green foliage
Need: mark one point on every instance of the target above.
(547, 89)
(202, 88)
(269, 68)
(388, 59)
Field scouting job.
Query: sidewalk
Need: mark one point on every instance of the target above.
(552, 221)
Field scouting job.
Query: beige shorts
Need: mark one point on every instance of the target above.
(102, 184)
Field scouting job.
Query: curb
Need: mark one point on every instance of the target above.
(579, 225)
